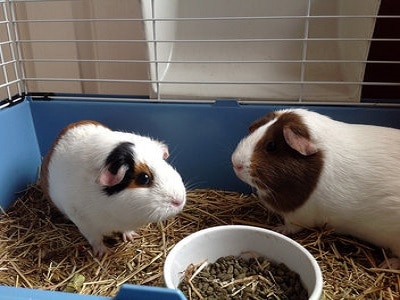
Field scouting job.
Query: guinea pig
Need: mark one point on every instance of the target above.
(108, 181)
(315, 171)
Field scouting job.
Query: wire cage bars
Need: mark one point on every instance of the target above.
(278, 50)
(11, 85)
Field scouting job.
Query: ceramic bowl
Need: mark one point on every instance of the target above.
(215, 242)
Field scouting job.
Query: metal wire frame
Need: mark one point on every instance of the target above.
(13, 23)
(12, 85)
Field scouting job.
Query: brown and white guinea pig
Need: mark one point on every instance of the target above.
(109, 181)
(316, 171)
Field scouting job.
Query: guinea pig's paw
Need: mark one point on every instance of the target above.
(287, 229)
(129, 236)
(100, 249)
(283, 229)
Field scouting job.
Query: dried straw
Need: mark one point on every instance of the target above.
(40, 249)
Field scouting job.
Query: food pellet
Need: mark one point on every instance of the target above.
(233, 277)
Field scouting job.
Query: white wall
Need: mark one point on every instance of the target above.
(78, 30)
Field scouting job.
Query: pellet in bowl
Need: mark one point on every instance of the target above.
(235, 277)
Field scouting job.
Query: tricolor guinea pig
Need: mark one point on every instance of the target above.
(109, 181)
(316, 171)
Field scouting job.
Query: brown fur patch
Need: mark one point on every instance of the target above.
(287, 177)
(262, 121)
(44, 169)
(141, 168)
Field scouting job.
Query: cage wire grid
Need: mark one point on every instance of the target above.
(11, 84)
(105, 52)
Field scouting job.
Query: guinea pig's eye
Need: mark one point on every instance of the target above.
(270, 146)
(143, 179)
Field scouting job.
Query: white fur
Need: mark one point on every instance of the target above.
(75, 164)
(358, 192)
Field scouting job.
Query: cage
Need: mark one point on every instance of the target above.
(193, 73)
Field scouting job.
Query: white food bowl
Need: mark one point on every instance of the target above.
(215, 242)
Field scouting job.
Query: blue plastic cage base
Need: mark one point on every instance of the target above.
(127, 291)
(201, 137)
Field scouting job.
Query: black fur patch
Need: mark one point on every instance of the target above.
(121, 155)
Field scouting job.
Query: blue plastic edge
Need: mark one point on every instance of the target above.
(148, 293)
(13, 293)
(19, 152)
(127, 291)
(202, 137)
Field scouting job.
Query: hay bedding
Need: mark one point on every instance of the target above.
(40, 249)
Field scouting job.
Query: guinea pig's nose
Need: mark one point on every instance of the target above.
(238, 167)
(176, 203)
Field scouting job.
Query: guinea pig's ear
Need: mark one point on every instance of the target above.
(116, 165)
(299, 142)
(107, 178)
(262, 121)
(164, 148)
